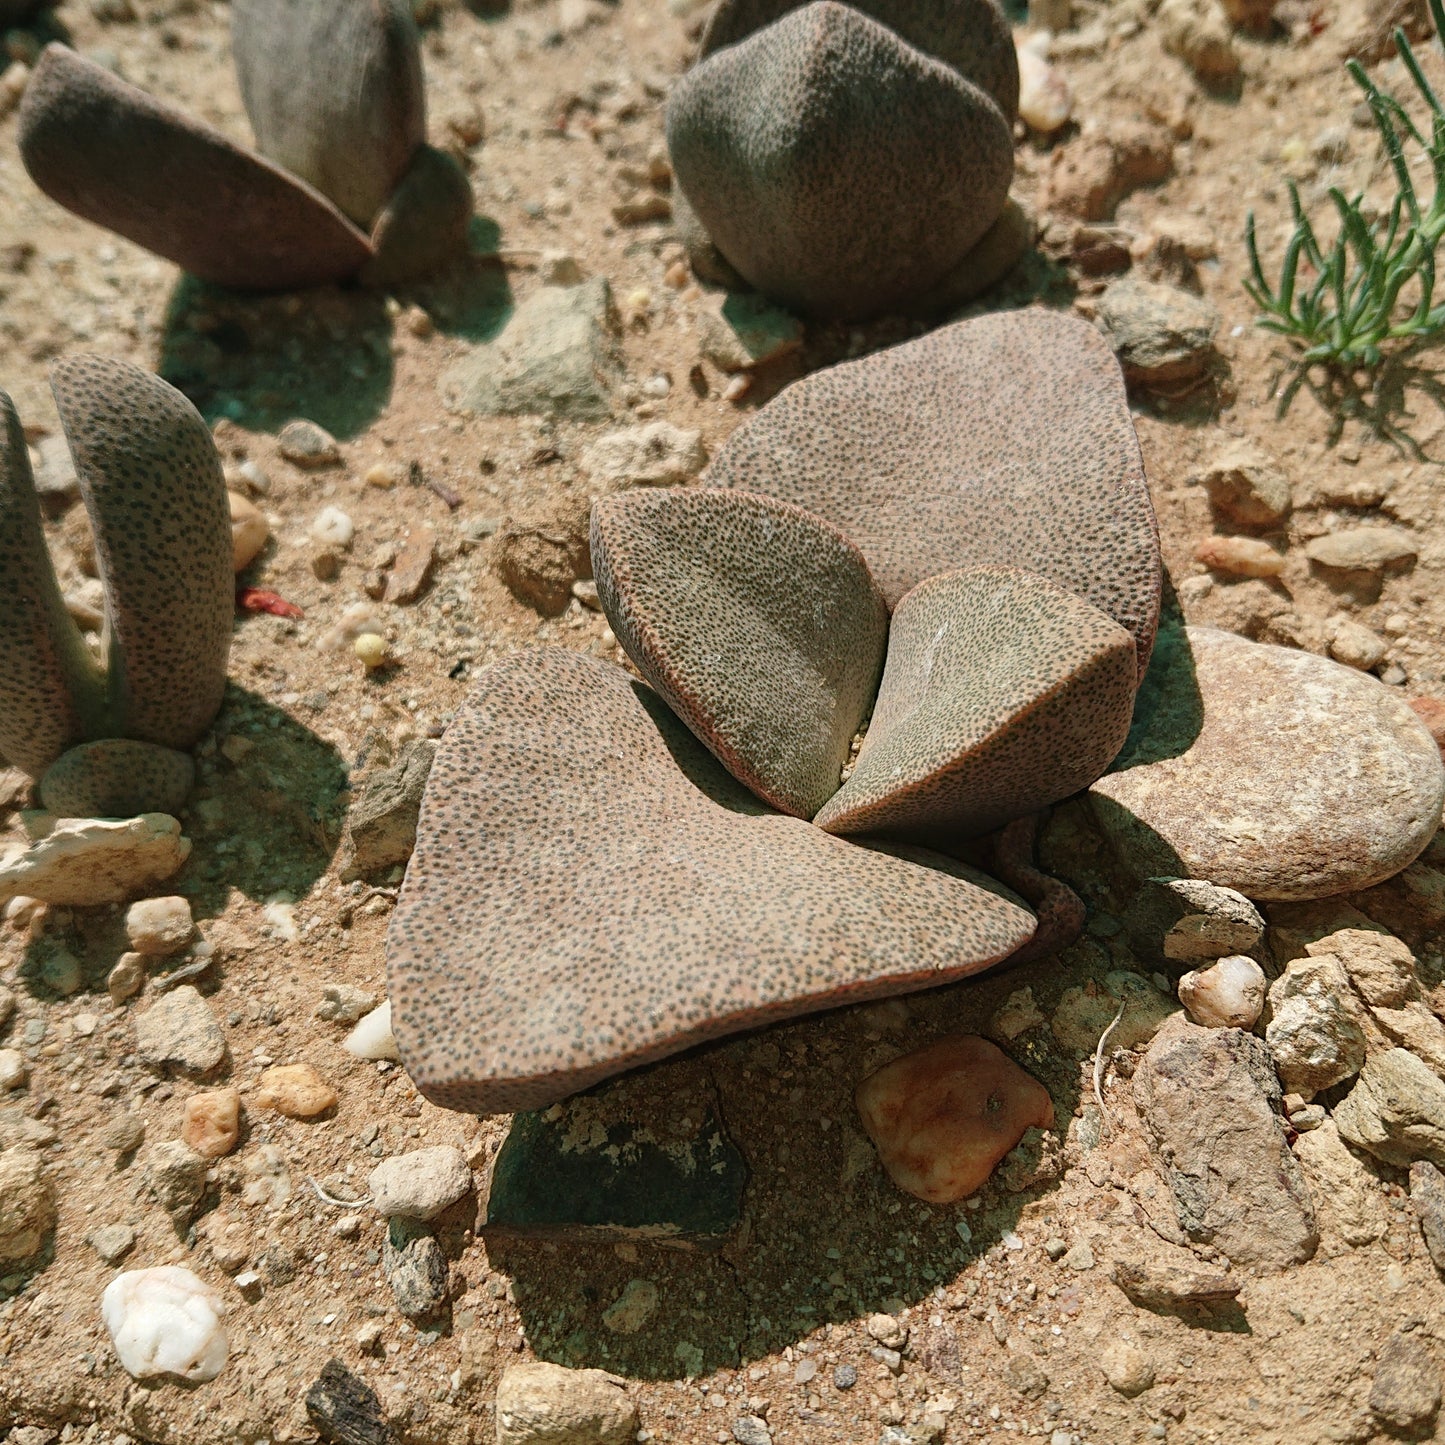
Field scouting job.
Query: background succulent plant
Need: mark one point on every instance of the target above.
(846, 159)
(564, 782)
(343, 184)
(151, 482)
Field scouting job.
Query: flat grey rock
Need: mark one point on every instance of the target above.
(558, 356)
(1212, 1103)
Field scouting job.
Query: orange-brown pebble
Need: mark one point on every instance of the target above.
(1243, 556)
(942, 1118)
(295, 1090)
(212, 1122)
(1431, 711)
(249, 530)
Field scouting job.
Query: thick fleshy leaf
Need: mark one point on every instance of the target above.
(840, 170)
(151, 480)
(114, 155)
(1003, 693)
(1001, 441)
(971, 36)
(334, 92)
(758, 622)
(51, 693)
(590, 891)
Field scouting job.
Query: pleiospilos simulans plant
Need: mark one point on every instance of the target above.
(108, 737)
(608, 872)
(342, 184)
(850, 159)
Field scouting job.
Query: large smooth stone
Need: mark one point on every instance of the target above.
(840, 170)
(757, 622)
(149, 172)
(591, 891)
(1274, 772)
(1002, 694)
(334, 92)
(1004, 441)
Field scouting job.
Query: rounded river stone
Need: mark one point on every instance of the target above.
(1274, 772)
(591, 891)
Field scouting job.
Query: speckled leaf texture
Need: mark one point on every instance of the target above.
(841, 170)
(118, 157)
(51, 692)
(757, 622)
(334, 92)
(592, 891)
(151, 481)
(1001, 441)
(1002, 694)
(971, 36)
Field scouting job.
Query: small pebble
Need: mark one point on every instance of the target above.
(295, 1090)
(1356, 645)
(1227, 995)
(845, 1377)
(1045, 101)
(372, 1037)
(343, 1003)
(165, 1321)
(385, 475)
(1240, 556)
(112, 1242)
(127, 978)
(249, 531)
(159, 927)
(332, 527)
(307, 445)
(212, 1122)
(420, 1184)
(13, 1070)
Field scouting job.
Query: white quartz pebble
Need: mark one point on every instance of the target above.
(372, 1037)
(165, 1321)
(333, 528)
(1229, 994)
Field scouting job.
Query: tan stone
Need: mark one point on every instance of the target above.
(295, 1090)
(212, 1122)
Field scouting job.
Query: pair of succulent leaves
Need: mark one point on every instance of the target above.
(109, 738)
(343, 184)
(849, 159)
(591, 890)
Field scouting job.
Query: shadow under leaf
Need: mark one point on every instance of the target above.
(262, 361)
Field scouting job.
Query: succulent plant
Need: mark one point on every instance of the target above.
(609, 871)
(108, 738)
(342, 184)
(848, 159)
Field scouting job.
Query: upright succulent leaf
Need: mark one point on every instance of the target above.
(590, 891)
(423, 224)
(50, 690)
(757, 622)
(971, 36)
(334, 91)
(839, 169)
(1003, 693)
(151, 481)
(1002, 441)
(114, 155)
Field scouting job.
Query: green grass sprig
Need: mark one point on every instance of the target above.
(1341, 306)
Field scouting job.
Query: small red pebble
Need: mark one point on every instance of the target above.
(257, 599)
(1432, 714)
